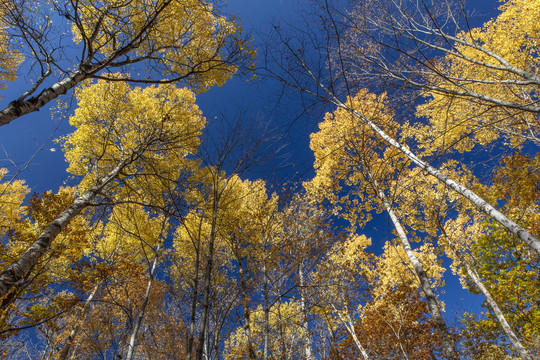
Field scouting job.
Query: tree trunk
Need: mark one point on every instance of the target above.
(480, 203)
(266, 303)
(135, 331)
(523, 353)
(63, 354)
(245, 303)
(444, 335)
(21, 267)
(195, 293)
(203, 326)
(347, 322)
(305, 323)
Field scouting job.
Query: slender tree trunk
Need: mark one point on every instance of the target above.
(63, 354)
(349, 325)
(245, 304)
(431, 299)
(266, 302)
(21, 267)
(138, 322)
(203, 326)
(480, 203)
(523, 353)
(305, 320)
(195, 293)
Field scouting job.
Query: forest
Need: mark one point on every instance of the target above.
(166, 234)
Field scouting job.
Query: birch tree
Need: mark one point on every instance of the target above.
(175, 41)
(118, 152)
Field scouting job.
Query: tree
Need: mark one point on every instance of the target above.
(348, 153)
(480, 84)
(10, 58)
(128, 143)
(369, 59)
(497, 264)
(185, 41)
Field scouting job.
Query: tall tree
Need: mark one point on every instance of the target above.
(186, 41)
(348, 153)
(128, 143)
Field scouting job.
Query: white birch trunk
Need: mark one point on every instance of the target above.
(348, 323)
(305, 323)
(22, 266)
(480, 203)
(63, 354)
(433, 306)
(133, 336)
(523, 353)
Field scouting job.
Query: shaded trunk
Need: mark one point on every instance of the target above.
(245, 304)
(203, 326)
(266, 304)
(195, 293)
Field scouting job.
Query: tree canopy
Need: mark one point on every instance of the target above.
(173, 237)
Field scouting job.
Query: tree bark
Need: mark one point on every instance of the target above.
(431, 299)
(22, 266)
(203, 326)
(245, 303)
(266, 302)
(347, 322)
(523, 353)
(305, 320)
(133, 336)
(63, 354)
(480, 203)
(194, 301)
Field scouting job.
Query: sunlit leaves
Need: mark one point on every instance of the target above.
(179, 38)
(155, 128)
(494, 67)
(10, 57)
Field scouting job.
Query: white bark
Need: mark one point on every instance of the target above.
(480, 203)
(348, 323)
(305, 323)
(19, 108)
(18, 270)
(431, 299)
(63, 354)
(523, 353)
(133, 336)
